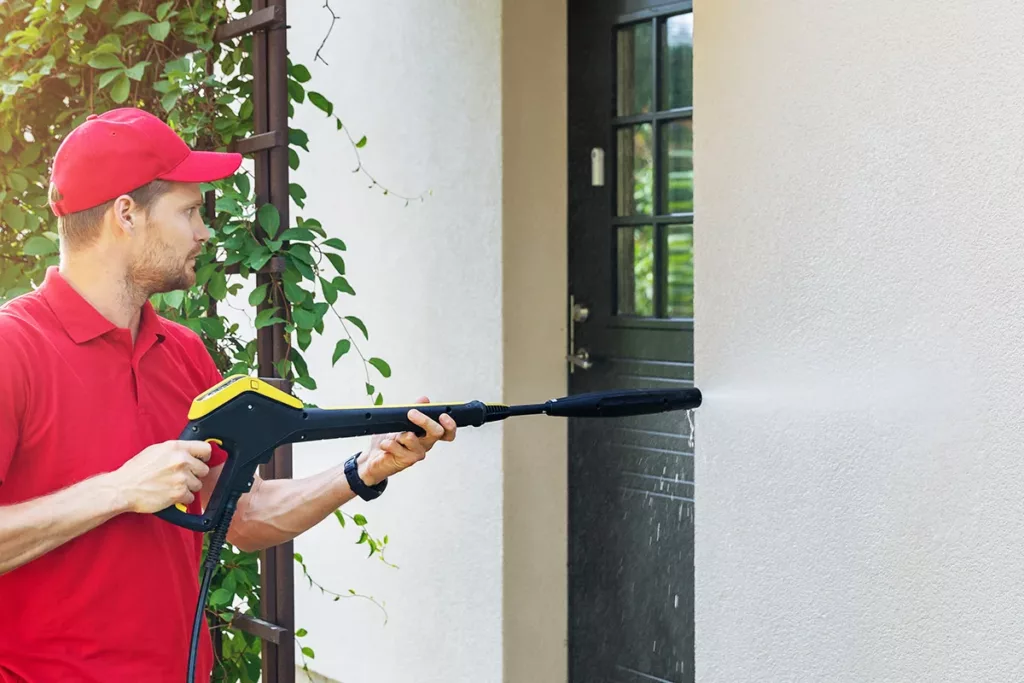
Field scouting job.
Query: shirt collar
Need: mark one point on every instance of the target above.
(82, 321)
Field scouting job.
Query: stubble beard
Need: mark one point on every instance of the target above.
(155, 273)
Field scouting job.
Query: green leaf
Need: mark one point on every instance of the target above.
(75, 9)
(259, 258)
(36, 245)
(258, 295)
(301, 633)
(335, 243)
(119, 93)
(358, 323)
(14, 217)
(269, 218)
(337, 262)
(17, 182)
(304, 318)
(300, 73)
(105, 60)
(5, 140)
(297, 192)
(242, 183)
(342, 285)
(132, 18)
(330, 293)
(340, 517)
(218, 286)
(363, 537)
(159, 31)
(163, 9)
(299, 138)
(174, 299)
(137, 71)
(362, 142)
(169, 100)
(297, 234)
(266, 317)
(296, 91)
(220, 597)
(370, 389)
(381, 365)
(108, 76)
(308, 651)
(321, 102)
(94, 4)
(293, 159)
(30, 154)
(359, 519)
(298, 558)
(341, 348)
(295, 294)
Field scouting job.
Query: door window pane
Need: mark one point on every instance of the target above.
(636, 271)
(677, 62)
(635, 169)
(634, 70)
(677, 167)
(679, 270)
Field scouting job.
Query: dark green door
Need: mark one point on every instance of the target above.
(631, 483)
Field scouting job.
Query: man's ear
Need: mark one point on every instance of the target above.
(126, 213)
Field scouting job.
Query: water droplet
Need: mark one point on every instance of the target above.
(689, 420)
(676, 601)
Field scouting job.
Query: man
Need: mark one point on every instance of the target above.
(94, 390)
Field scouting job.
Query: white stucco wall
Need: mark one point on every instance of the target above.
(422, 80)
(859, 276)
(464, 296)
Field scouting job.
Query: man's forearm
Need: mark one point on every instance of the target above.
(277, 510)
(29, 530)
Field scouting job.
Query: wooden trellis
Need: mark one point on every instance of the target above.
(269, 148)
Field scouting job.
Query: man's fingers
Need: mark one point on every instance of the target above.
(432, 428)
(197, 449)
(198, 467)
(448, 422)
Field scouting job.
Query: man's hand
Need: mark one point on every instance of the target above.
(163, 474)
(391, 453)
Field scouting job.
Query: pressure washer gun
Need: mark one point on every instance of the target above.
(249, 418)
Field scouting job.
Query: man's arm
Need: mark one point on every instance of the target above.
(276, 511)
(33, 528)
(161, 475)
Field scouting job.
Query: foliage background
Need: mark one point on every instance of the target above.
(62, 61)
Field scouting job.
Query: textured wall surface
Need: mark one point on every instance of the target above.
(859, 242)
(423, 81)
(534, 275)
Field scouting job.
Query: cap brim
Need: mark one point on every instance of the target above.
(204, 167)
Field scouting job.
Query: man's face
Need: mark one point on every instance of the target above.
(169, 238)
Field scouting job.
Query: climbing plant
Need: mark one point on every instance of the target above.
(62, 60)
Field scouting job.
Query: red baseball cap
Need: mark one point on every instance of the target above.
(123, 149)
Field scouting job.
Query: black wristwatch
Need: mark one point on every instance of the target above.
(358, 485)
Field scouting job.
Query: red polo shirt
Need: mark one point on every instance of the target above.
(78, 398)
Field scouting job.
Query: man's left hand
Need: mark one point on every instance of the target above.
(389, 454)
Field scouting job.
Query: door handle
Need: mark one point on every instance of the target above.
(577, 359)
(580, 359)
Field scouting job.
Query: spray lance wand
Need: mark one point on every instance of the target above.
(249, 418)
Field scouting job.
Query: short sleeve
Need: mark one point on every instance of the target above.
(13, 398)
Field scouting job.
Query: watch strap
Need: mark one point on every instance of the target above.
(358, 486)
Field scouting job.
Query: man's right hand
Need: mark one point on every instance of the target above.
(164, 474)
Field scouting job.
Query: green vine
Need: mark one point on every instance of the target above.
(63, 60)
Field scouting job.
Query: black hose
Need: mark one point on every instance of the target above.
(217, 541)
